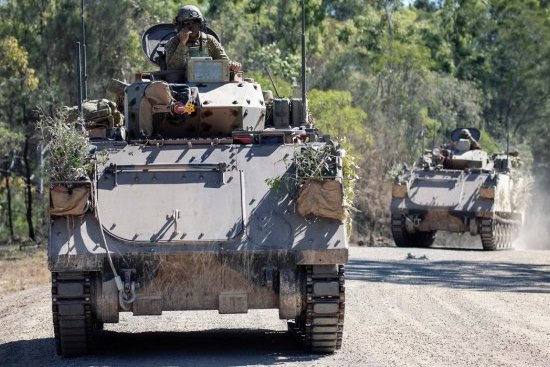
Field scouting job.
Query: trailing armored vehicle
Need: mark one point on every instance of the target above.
(177, 212)
(459, 188)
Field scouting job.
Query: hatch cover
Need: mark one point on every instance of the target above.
(171, 205)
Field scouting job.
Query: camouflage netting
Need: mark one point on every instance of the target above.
(323, 199)
(98, 113)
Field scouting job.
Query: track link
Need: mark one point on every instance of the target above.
(496, 236)
(73, 322)
(321, 325)
(398, 231)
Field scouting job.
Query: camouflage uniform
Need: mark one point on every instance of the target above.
(204, 45)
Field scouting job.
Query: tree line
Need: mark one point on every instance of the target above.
(387, 78)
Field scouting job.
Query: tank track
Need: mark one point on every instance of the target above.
(397, 230)
(496, 236)
(404, 239)
(73, 322)
(321, 325)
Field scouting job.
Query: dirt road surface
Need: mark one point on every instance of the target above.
(404, 307)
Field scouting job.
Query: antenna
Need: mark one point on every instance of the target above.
(272, 82)
(79, 77)
(304, 100)
(84, 59)
(507, 143)
(422, 134)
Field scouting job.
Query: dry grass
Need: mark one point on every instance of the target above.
(22, 269)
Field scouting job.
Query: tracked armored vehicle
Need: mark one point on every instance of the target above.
(459, 188)
(177, 214)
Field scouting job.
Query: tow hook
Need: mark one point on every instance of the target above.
(127, 295)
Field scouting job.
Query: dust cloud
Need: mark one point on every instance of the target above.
(535, 233)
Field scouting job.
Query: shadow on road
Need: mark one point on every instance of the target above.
(482, 276)
(219, 347)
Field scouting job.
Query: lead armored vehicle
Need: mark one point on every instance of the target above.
(178, 213)
(459, 188)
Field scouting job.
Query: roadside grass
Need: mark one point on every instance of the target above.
(22, 268)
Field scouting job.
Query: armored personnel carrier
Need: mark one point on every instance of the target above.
(177, 214)
(458, 188)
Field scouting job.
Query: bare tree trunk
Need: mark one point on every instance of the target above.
(389, 15)
(28, 188)
(8, 202)
(45, 56)
(282, 14)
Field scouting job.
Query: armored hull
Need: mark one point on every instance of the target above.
(196, 227)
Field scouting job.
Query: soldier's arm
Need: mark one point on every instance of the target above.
(175, 53)
(474, 144)
(215, 49)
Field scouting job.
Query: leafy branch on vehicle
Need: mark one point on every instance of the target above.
(67, 148)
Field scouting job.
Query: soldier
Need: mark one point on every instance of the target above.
(465, 134)
(192, 42)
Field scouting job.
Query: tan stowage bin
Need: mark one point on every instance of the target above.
(65, 201)
(322, 198)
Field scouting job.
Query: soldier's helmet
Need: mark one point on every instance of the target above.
(189, 13)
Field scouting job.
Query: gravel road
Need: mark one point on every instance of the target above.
(404, 307)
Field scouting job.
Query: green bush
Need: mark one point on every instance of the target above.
(67, 148)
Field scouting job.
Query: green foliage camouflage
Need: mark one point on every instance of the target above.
(67, 148)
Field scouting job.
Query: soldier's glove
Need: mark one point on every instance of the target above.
(235, 66)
